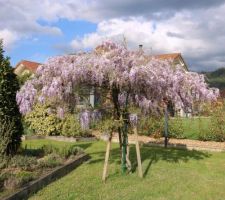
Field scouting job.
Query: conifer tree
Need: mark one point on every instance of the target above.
(11, 128)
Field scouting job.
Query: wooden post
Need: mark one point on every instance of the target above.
(140, 173)
(105, 169)
(128, 158)
(166, 127)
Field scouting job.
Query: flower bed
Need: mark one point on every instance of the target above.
(30, 164)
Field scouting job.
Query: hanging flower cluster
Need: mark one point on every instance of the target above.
(147, 80)
(85, 120)
(133, 119)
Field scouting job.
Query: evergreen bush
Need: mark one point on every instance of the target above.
(11, 128)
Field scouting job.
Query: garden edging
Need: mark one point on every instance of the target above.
(38, 184)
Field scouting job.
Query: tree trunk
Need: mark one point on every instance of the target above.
(122, 131)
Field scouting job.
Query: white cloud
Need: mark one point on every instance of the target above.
(139, 31)
(8, 37)
(198, 35)
(195, 28)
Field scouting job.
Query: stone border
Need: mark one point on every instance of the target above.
(59, 138)
(38, 184)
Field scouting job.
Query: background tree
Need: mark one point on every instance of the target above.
(11, 127)
(130, 77)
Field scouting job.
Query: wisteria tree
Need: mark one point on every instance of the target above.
(130, 77)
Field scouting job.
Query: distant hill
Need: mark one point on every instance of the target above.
(216, 78)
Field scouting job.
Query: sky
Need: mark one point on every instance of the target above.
(38, 29)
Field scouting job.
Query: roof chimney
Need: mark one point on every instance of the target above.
(140, 47)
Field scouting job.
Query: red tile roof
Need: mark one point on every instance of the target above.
(168, 56)
(30, 65)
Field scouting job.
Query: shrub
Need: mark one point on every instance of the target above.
(13, 181)
(26, 75)
(68, 151)
(3, 162)
(108, 125)
(23, 162)
(11, 127)
(24, 177)
(63, 152)
(43, 121)
(151, 126)
(218, 123)
(50, 161)
(176, 129)
(71, 126)
(27, 129)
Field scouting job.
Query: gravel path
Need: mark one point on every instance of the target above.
(177, 143)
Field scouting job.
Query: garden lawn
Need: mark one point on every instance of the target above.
(194, 127)
(169, 174)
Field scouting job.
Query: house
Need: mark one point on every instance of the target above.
(26, 67)
(176, 58)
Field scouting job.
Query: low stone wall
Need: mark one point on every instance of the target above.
(36, 185)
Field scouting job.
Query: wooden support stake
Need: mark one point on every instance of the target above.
(140, 173)
(128, 158)
(105, 169)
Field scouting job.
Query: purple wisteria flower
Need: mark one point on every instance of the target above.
(147, 80)
(85, 120)
(133, 119)
(96, 116)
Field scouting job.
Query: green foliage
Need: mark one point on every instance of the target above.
(216, 78)
(3, 177)
(153, 126)
(17, 179)
(26, 128)
(22, 162)
(3, 162)
(33, 162)
(50, 161)
(6, 132)
(71, 126)
(64, 152)
(24, 77)
(108, 125)
(42, 121)
(218, 123)
(176, 129)
(11, 127)
(24, 177)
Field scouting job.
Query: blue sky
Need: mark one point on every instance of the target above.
(40, 47)
(35, 30)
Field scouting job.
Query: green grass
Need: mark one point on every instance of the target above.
(194, 127)
(169, 174)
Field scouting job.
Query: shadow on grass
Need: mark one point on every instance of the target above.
(152, 155)
(155, 154)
